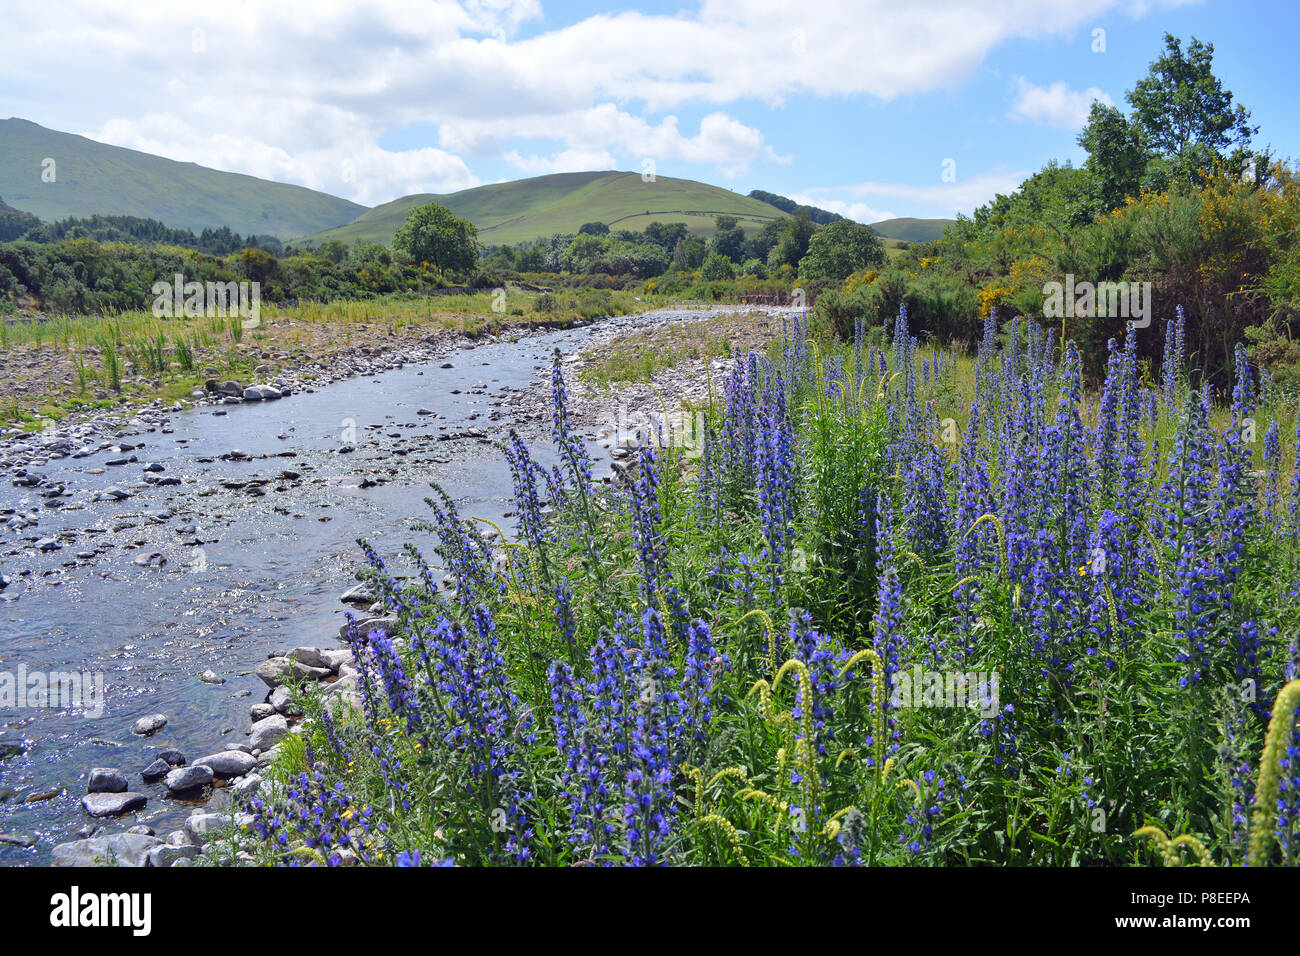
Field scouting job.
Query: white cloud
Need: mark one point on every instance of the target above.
(857, 211)
(292, 88)
(1056, 105)
(940, 199)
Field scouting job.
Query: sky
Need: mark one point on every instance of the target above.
(871, 109)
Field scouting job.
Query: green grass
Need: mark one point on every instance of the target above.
(95, 178)
(912, 230)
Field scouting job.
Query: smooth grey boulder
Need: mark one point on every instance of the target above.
(228, 763)
(167, 855)
(155, 771)
(112, 804)
(106, 780)
(275, 671)
(122, 849)
(311, 656)
(149, 725)
(265, 734)
(188, 778)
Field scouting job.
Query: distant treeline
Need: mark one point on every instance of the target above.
(22, 226)
(823, 217)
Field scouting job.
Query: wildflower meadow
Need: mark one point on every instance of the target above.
(906, 607)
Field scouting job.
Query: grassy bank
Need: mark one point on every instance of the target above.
(55, 365)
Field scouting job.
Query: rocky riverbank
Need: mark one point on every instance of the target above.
(218, 786)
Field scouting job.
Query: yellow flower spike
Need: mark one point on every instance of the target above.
(729, 831)
(1280, 727)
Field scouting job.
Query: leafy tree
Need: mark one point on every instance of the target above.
(433, 234)
(1117, 155)
(688, 253)
(1181, 103)
(666, 234)
(717, 266)
(530, 259)
(729, 238)
(837, 251)
(334, 250)
(754, 267)
(793, 244)
(593, 229)
(584, 250)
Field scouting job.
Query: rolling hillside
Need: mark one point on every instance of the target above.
(92, 177)
(912, 230)
(546, 205)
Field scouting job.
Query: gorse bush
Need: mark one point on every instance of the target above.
(901, 609)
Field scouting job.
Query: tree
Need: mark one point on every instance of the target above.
(793, 244)
(666, 234)
(729, 238)
(1181, 103)
(435, 235)
(334, 250)
(688, 253)
(717, 266)
(593, 229)
(1117, 155)
(837, 251)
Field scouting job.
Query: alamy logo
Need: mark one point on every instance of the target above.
(75, 909)
(193, 300)
(1088, 300)
(21, 689)
(976, 690)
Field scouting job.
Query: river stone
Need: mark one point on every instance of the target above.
(106, 780)
(336, 657)
(248, 786)
(358, 594)
(124, 849)
(172, 757)
(275, 670)
(211, 677)
(188, 778)
(228, 763)
(388, 626)
(10, 746)
(149, 725)
(263, 711)
(199, 826)
(112, 804)
(167, 855)
(155, 771)
(265, 734)
(311, 656)
(281, 701)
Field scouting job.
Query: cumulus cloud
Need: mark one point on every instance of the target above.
(941, 199)
(1056, 105)
(292, 89)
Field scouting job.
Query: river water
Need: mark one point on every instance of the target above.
(257, 551)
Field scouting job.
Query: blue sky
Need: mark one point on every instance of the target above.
(855, 106)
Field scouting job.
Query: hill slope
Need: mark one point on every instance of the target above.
(547, 205)
(912, 230)
(92, 177)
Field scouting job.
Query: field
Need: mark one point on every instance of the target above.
(887, 606)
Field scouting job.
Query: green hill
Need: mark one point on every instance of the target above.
(508, 213)
(93, 177)
(912, 230)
